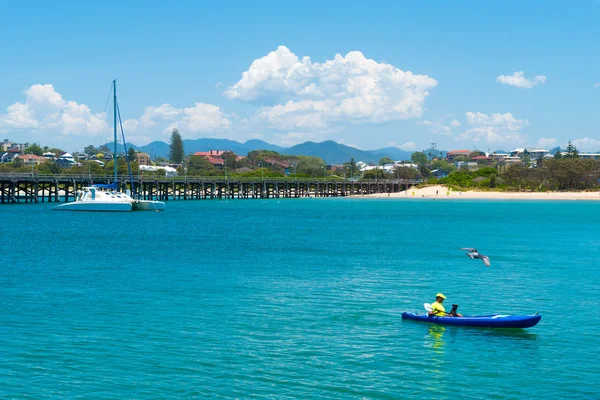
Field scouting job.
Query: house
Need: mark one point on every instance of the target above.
(589, 156)
(32, 159)
(451, 155)
(6, 145)
(499, 156)
(482, 159)
(49, 156)
(83, 157)
(466, 165)
(440, 173)
(536, 153)
(66, 160)
(142, 158)
(214, 157)
(532, 152)
(512, 160)
(11, 154)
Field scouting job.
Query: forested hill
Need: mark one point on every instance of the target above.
(330, 151)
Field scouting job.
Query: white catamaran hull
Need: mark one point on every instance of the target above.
(94, 206)
(148, 205)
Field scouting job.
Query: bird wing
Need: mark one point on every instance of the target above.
(469, 249)
(470, 255)
(486, 260)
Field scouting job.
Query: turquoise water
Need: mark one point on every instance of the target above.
(298, 299)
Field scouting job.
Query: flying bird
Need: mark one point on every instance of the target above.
(473, 253)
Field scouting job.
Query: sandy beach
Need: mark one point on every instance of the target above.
(442, 192)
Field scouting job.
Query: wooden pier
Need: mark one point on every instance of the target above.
(23, 188)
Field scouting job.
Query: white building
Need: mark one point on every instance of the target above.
(169, 171)
(532, 152)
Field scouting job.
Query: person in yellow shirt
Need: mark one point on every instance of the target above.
(438, 310)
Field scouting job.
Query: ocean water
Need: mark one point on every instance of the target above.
(298, 298)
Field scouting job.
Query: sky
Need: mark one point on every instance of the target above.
(480, 75)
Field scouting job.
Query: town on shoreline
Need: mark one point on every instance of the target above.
(521, 170)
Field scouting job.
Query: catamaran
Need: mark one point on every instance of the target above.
(108, 197)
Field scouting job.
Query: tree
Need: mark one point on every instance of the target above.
(433, 152)
(176, 152)
(131, 154)
(419, 157)
(443, 165)
(571, 151)
(374, 174)
(17, 162)
(34, 149)
(90, 150)
(406, 172)
(352, 167)
(385, 160)
(310, 165)
(476, 153)
(230, 159)
(198, 164)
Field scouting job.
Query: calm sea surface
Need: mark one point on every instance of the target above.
(298, 299)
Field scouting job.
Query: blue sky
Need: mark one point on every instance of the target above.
(485, 75)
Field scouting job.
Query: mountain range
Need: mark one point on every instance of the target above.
(330, 151)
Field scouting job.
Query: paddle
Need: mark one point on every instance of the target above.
(428, 307)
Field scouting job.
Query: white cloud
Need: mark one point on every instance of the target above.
(440, 127)
(408, 146)
(517, 79)
(586, 144)
(597, 85)
(454, 123)
(493, 129)
(404, 146)
(344, 89)
(546, 143)
(45, 110)
(201, 118)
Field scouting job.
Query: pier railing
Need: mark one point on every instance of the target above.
(15, 188)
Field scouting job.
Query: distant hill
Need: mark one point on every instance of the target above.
(330, 151)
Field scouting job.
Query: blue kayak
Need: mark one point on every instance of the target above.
(487, 321)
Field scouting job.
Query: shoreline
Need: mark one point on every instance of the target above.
(442, 192)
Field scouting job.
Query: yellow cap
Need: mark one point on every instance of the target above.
(440, 295)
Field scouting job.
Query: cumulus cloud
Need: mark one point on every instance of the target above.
(586, 144)
(200, 118)
(454, 123)
(352, 88)
(440, 127)
(546, 143)
(495, 128)
(45, 109)
(518, 79)
(407, 146)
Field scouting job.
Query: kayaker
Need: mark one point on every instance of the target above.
(438, 309)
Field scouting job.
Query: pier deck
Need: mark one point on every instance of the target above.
(23, 188)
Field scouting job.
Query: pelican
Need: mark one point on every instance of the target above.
(473, 253)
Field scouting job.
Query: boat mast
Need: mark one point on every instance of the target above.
(115, 126)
